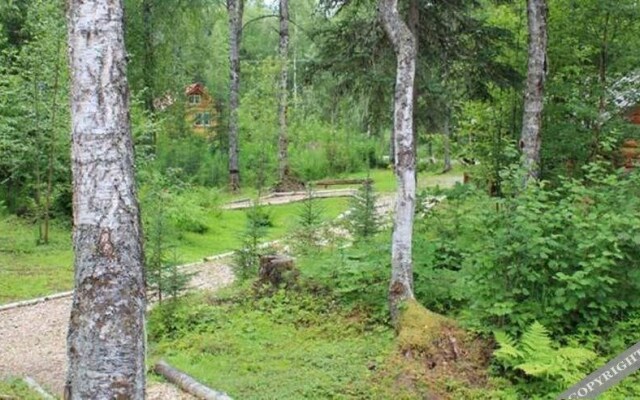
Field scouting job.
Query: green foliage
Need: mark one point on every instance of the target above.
(310, 219)
(17, 389)
(28, 270)
(363, 217)
(290, 345)
(562, 256)
(247, 257)
(163, 276)
(534, 354)
(358, 276)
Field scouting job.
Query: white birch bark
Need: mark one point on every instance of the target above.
(106, 331)
(404, 43)
(283, 138)
(236, 10)
(530, 140)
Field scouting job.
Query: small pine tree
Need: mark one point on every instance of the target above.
(247, 258)
(363, 219)
(163, 276)
(310, 215)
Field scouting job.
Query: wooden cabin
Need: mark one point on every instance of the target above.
(633, 115)
(201, 112)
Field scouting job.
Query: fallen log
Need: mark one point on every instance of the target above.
(187, 383)
(35, 386)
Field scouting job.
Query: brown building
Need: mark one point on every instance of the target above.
(633, 115)
(201, 112)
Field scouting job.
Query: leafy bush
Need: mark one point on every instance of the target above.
(565, 256)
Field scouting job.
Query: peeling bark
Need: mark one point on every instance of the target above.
(106, 332)
(404, 44)
(530, 140)
(283, 138)
(236, 10)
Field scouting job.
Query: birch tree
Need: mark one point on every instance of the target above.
(530, 140)
(106, 332)
(283, 139)
(235, 9)
(404, 45)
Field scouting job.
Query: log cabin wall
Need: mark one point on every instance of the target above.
(201, 112)
(634, 115)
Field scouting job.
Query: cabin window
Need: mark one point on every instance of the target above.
(203, 119)
(194, 99)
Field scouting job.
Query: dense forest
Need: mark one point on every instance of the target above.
(287, 199)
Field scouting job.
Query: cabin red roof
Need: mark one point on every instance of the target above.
(195, 88)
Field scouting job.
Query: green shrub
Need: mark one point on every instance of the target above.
(565, 256)
(358, 276)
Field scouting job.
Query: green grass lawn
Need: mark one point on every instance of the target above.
(289, 346)
(385, 181)
(226, 228)
(28, 270)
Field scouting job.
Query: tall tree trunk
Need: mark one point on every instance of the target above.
(235, 9)
(38, 140)
(148, 65)
(413, 21)
(401, 285)
(52, 146)
(530, 140)
(283, 139)
(105, 342)
(446, 130)
(602, 81)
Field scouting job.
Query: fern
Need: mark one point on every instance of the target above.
(508, 352)
(536, 356)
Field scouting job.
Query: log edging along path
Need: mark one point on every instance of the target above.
(278, 198)
(37, 300)
(61, 295)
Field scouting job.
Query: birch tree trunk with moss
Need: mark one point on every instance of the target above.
(404, 44)
(283, 138)
(235, 9)
(530, 140)
(105, 342)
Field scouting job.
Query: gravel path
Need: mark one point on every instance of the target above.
(33, 338)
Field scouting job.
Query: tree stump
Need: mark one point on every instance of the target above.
(277, 271)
